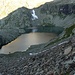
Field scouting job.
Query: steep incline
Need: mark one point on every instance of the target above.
(14, 25)
(51, 14)
(57, 13)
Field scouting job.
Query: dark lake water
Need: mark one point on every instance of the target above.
(26, 40)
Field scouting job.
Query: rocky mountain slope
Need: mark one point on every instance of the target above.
(55, 60)
(66, 1)
(8, 6)
(57, 57)
(57, 13)
(51, 14)
(14, 25)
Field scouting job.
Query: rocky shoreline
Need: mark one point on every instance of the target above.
(58, 60)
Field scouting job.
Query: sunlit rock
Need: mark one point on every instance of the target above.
(34, 16)
(8, 6)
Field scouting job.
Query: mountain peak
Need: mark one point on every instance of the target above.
(8, 6)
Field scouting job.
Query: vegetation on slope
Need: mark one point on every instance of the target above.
(67, 33)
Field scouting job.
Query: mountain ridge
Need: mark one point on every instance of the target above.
(57, 57)
(48, 14)
(7, 6)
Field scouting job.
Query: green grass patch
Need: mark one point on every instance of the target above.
(53, 42)
(68, 32)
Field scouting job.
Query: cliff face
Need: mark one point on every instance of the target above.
(57, 13)
(65, 1)
(14, 25)
(8, 6)
(57, 57)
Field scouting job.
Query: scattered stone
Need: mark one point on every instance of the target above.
(67, 50)
(50, 61)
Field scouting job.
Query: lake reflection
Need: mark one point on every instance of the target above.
(25, 40)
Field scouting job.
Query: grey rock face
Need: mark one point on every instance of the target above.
(49, 62)
(1, 41)
(56, 13)
(14, 24)
(53, 13)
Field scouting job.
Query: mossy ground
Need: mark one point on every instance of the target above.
(68, 33)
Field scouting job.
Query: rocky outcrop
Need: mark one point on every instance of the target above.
(2, 41)
(57, 57)
(7, 6)
(56, 13)
(14, 24)
(49, 14)
(51, 61)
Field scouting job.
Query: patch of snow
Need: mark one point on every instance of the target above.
(30, 53)
(33, 53)
(53, 47)
(36, 53)
(45, 50)
(60, 44)
(34, 15)
(63, 42)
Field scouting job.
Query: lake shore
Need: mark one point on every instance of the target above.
(51, 61)
(23, 42)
